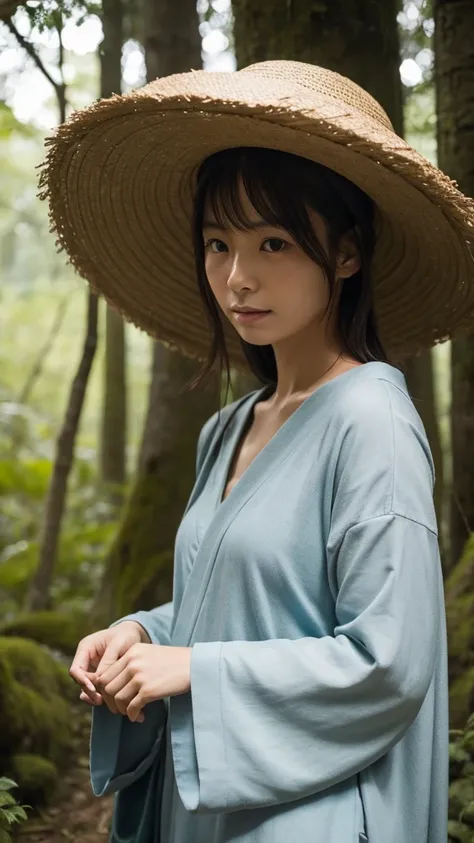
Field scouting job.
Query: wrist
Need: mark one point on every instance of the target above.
(144, 637)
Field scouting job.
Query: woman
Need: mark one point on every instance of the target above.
(296, 687)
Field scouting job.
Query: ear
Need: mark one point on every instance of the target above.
(348, 258)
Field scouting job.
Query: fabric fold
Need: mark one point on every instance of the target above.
(272, 721)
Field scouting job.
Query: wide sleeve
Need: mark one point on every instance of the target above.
(273, 721)
(156, 622)
(121, 751)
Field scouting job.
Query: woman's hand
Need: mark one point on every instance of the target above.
(99, 651)
(146, 672)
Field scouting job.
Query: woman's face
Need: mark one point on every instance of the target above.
(265, 269)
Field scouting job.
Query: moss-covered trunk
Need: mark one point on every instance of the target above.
(139, 568)
(113, 432)
(39, 592)
(454, 66)
(419, 373)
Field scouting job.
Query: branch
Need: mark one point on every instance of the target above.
(32, 53)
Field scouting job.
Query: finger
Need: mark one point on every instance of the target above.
(125, 695)
(134, 709)
(110, 703)
(81, 661)
(88, 688)
(93, 695)
(80, 666)
(86, 698)
(103, 677)
(112, 654)
(80, 676)
(117, 687)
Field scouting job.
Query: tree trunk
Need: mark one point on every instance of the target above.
(359, 39)
(39, 592)
(139, 569)
(172, 40)
(419, 374)
(40, 588)
(113, 434)
(454, 65)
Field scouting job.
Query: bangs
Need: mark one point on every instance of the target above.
(273, 194)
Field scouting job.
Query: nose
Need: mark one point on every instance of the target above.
(241, 276)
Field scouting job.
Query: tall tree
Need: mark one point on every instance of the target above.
(359, 39)
(138, 571)
(139, 567)
(113, 432)
(39, 592)
(454, 74)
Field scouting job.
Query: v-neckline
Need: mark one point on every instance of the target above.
(233, 438)
(243, 428)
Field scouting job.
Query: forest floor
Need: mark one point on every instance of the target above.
(74, 813)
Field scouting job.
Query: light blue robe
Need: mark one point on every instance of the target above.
(313, 600)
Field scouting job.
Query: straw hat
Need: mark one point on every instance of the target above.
(120, 176)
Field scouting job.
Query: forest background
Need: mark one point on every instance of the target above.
(97, 438)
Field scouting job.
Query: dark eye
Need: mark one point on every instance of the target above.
(215, 245)
(275, 243)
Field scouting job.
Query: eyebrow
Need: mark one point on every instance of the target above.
(251, 225)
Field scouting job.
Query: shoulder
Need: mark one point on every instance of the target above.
(215, 425)
(381, 448)
(378, 411)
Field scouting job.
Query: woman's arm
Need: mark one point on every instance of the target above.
(273, 721)
(121, 751)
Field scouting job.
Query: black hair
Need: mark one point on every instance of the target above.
(281, 188)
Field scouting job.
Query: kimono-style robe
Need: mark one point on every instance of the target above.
(312, 597)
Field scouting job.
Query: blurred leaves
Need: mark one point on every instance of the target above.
(10, 124)
(49, 14)
(89, 525)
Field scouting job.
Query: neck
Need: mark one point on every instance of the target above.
(305, 362)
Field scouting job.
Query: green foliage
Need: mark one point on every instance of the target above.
(52, 14)
(461, 788)
(459, 614)
(37, 777)
(88, 527)
(58, 630)
(35, 690)
(10, 811)
(10, 124)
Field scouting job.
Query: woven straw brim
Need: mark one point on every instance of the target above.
(120, 179)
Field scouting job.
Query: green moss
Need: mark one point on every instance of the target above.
(458, 757)
(460, 612)
(459, 833)
(461, 578)
(467, 815)
(36, 777)
(461, 696)
(58, 630)
(134, 584)
(468, 740)
(34, 691)
(461, 631)
(461, 794)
